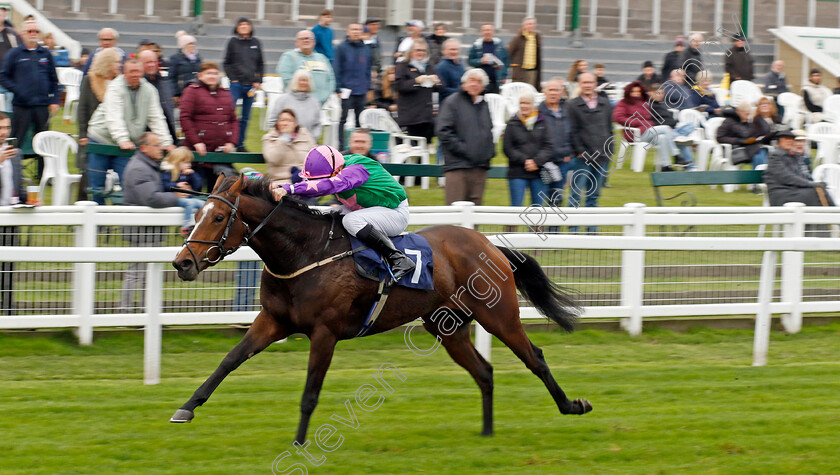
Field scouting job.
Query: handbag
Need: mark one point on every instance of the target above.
(740, 155)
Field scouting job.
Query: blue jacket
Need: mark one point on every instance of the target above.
(193, 179)
(324, 40)
(352, 67)
(697, 99)
(558, 127)
(500, 52)
(450, 76)
(31, 76)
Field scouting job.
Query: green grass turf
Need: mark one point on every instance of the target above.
(664, 403)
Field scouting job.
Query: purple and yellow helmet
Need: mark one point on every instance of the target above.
(322, 162)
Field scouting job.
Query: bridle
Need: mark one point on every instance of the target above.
(220, 244)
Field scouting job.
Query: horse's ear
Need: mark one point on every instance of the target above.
(219, 181)
(237, 186)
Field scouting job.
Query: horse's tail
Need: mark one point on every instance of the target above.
(550, 299)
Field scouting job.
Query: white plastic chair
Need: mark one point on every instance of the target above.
(795, 114)
(330, 117)
(71, 79)
(721, 95)
(401, 147)
(830, 174)
(687, 116)
(511, 92)
(270, 90)
(831, 109)
(741, 91)
(717, 155)
(498, 114)
(827, 136)
(55, 147)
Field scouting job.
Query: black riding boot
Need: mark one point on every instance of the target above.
(379, 242)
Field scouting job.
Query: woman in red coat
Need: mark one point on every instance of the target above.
(208, 120)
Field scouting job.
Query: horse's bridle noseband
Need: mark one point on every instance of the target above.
(221, 242)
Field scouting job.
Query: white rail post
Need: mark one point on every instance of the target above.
(150, 8)
(260, 9)
(330, 5)
(152, 333)
(593, 15)
(793, 263)
(763, 319)
(498, 13)
(430, 14)
(561, 15)
(812, 12)
(465, 14)
(112, 6)
(633, 273)
(622, 17)
(295, 10)
(39, 5)
(687, 17)
(220, 11)
(483, 339)
(780, 13)
(363, 11)
(84, 274)
(185, 8)
(656, 20)
(77, 6)
(530, 9)
(718, 16)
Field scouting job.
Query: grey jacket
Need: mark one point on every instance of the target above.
(17, 177)
(590, 129)
(787, 182)
(465, 132)
(142, 185)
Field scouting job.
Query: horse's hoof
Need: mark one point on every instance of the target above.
(181, 416)
(585, 406)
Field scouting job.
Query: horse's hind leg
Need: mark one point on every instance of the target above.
(504, 323)
(264, 331)
(461, 349)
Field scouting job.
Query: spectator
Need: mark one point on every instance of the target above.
(557, 121)
(82, 61)
(146, 45)
(105, 68)
(300, 98)
(649, 77)
(786, 180)
(177, 172)
(814, 95)
(324, 35)
(29, 73)
(131, 106)
(590, 126)
(108, 38)
(489, 54)
(414, 31)
(49, 42)
(775, 81)
(450, 69)
(151, 72)
(360, 143)
(800, 144)
(526, 54)
(703, 98)
(142, 187)
(672, 59)
(12, 192)
(436, 40)
(662, 115)
(633, 111)
(305, 57)
(285, 146)
(577, 68)
(767, 118)
(208, 120)
(743, 135)
(9, 39)
(184, 65)
(692, 58)
(415, 80)
(739, 63)
(244, 67)
(464, 128)
(385, 96)
(371, 38)
(352, 71)
(678, 96)
(528, 147)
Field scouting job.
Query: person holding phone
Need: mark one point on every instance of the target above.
(12, 192)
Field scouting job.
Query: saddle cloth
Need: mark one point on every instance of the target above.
(371, 266)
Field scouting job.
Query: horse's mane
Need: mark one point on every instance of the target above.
(261, 189)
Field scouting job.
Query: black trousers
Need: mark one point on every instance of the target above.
(8, 237)
(36, 117)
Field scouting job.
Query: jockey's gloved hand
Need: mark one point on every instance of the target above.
(279, 192)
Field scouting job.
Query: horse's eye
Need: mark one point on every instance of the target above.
(218, 218)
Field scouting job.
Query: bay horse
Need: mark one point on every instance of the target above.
(330, 302)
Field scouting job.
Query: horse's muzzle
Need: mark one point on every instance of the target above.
(186, 269)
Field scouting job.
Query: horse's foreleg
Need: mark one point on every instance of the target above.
(322, 345)
(264, 331)
(461, 349)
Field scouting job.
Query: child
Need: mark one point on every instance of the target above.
(177, 172)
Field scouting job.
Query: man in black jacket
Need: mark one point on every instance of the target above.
(151, 72)
(464, 129)
(244, 66)
(672, 59)
(739, 63)
(590, 127)
(558, 123)
(9, 39)
(29, 72)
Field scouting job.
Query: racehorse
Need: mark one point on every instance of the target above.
(309, 287)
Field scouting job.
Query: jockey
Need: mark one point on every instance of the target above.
(374, 204)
